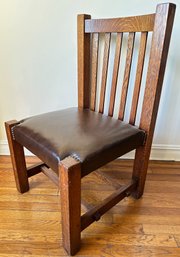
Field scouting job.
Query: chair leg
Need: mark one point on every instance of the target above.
(18, 159)
(70, 188)
(140, 169)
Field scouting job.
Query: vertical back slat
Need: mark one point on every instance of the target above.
(94, 61)
(115, 73)
(104, 71)
(83, 62)
(126, 75)
(139, 72)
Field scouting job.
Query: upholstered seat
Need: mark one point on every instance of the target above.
(92, 138)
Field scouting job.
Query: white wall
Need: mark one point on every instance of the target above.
(38, 61)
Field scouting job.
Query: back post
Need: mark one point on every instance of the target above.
(83, 62)
(159, 50)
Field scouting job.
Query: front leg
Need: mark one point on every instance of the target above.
(70, 188)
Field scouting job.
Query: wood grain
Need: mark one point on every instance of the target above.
(157, 62)
(127, 24)
(177, 238)
(115, 73)
(18, 159)
(139, 71)
(30, 224)
(104, 71)
(83, 62)
(70, 186)
(96, 212)
(94, 66)
(130, 48)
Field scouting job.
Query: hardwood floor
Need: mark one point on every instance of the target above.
(30, 223)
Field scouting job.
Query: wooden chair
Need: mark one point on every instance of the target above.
(74, 142)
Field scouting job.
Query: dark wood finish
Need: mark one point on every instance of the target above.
(127, 24)
(126, 75)
(18, 159)
(115, 73)
(139, 72)
(104, 71)
(34, 169)
(158, 56)
(94, 66)
(70, 187)
(83, 62)
(95, 213)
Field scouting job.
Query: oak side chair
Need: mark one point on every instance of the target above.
(76, 141)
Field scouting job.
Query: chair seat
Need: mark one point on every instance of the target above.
(92, 138)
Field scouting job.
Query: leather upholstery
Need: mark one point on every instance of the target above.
(93, 138)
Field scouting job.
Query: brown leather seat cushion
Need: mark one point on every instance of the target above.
(94, 139)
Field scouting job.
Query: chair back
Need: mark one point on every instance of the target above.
(92, 52)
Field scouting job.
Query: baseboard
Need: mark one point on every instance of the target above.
(158, 152)
(4, 149)
(161, 152)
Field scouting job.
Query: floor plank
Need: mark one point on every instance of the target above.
(148, 227)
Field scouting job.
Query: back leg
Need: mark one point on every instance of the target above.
(18, 159)
(140, 169)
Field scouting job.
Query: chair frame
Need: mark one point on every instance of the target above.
(69, 179)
